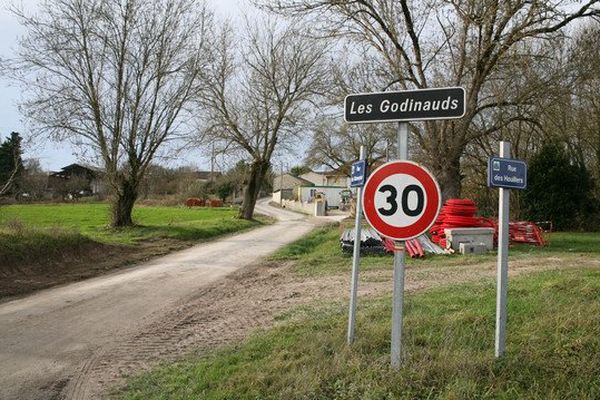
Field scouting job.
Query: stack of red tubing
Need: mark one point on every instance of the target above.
(460, 213)
(413, 247)
(526, 232)
(457, 213)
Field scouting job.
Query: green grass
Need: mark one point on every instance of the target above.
(567, 242)
(319, 253)
(91, 220)
(552, 350)
(32, 245)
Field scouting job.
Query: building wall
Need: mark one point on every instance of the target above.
(326, 179)
(286, 181)
(306, 194)
(337, 180)
(288, 194)
(305, 208)
(317, 179)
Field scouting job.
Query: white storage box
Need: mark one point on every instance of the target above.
(456, 236)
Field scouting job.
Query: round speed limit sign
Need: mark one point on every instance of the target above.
(401, 200)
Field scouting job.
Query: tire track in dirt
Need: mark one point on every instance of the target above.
(229, 310)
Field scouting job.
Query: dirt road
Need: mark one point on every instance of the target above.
(48, 339)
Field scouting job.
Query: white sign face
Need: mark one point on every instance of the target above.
(400, 200)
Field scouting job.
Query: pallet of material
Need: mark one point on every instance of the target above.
(370, 242)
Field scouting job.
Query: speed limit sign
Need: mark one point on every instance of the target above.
(401, 200)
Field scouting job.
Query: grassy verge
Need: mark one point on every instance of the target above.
(319, 253)
(552, 350)
(91, 220)
(48, 244)
(30, 245)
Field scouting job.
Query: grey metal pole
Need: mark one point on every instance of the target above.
(502, 269)
(403, 140)
(355, 259)
(398, 296)
(397, 305)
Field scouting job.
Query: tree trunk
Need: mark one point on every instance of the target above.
(122, 204)
(258, 171)
(449, 177)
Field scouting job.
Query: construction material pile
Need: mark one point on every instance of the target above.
(370, 242)
(457, 213)
(526, 232)
(417, 247)
(460, 213)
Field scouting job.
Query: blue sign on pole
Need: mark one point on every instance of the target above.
(359, 173)
(507, 173)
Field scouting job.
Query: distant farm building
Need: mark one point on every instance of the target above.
(77, 180)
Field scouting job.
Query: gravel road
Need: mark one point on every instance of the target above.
(48, 339)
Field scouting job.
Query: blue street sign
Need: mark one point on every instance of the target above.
(359, 173)
(507, 173)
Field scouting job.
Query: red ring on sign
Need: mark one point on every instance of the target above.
(432, 193)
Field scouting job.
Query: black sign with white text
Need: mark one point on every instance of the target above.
(411, 105)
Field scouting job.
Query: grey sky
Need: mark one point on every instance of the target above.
(53, 155)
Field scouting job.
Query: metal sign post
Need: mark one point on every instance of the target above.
(398, 296)
(401, 201)
(411, 214)
(506, 174)
(355, 257)
(502, 269)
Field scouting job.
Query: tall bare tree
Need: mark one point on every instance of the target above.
(585, 95)
(261, 94)
(433, 43)
(115, 77)
(337, 146)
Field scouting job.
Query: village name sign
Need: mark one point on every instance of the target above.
(411, 105)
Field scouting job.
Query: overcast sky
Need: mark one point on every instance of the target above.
(53, 156)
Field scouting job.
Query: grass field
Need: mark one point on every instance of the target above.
(552, 350)
(91, 220)
(319, 252)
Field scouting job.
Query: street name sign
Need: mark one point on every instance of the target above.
(507, 173)
(359, 173)
(401, 200)
(408, 105)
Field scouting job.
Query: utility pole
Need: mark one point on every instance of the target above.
(212, 163)
(281, 186)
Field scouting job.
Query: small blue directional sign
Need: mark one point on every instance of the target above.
(359, 173)
(507, 173)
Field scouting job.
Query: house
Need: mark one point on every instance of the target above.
(77, 180)
(307, 187)
(327, 178)
(288, 181)
(285, 187)
(333, 194)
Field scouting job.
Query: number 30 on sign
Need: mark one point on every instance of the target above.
(401, 200)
